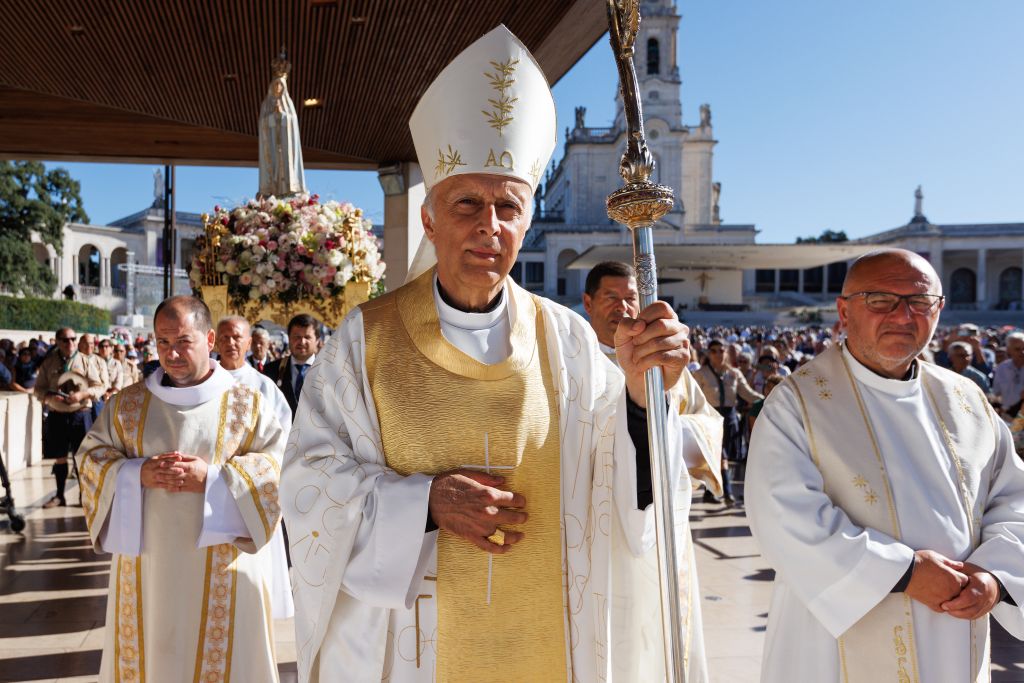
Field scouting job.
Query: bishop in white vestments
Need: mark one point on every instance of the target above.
(179, 478)
(887, 495)
(461, 485)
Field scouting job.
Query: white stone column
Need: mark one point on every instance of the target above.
(105, 272)
(129, 283)
(74, 269)
(800, 280)
(778, 280)
(551, 271)
(824, 279)
(935, 256)
(981, 286)
(403, 230)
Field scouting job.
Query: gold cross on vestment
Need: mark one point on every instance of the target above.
(487, 467)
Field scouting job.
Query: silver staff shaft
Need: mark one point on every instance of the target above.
(664, 517)
(638, 205)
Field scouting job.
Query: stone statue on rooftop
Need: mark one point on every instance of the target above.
(918, 202)
(158, 188)
(581, 114)
(705, 115)
(281, 171)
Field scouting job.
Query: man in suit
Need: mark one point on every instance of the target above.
(260, 357)
(289, 372)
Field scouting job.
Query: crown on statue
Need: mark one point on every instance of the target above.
(281, 66)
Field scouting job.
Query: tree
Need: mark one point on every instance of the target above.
(825, 237)
(33, 199)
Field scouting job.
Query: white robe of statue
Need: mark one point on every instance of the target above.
(280, 163)
(357, 529)
(830, 572)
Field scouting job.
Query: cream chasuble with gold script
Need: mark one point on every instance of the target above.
(189, 600)
(849, 474)
(377, 598)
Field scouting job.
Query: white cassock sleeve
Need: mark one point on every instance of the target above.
(335, 460)
(122, 533)
(222, 521)
(1002, 533)
(392, 548)
(838, 569)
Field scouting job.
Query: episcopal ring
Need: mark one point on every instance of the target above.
(497, 538)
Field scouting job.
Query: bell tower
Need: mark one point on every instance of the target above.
(656, 68)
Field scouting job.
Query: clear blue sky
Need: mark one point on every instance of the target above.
(828, 115)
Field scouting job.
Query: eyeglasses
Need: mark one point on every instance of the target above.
(66, 339)
(886, 302)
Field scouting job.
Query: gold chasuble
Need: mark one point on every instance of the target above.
(500, 617)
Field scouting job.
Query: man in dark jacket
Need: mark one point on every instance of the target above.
(289, 372)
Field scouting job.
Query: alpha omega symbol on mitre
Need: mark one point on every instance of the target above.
(503, 160)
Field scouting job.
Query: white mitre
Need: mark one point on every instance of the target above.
(489, 111)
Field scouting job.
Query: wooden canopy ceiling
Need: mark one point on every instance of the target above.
(182, 80)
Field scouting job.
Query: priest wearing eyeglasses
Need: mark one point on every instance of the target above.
(887, 495)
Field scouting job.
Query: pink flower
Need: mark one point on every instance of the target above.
(271, 245)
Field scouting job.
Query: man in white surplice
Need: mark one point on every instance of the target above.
(611, 296)
(179, 482)
(461, 456)
(887, 495)
(234, 337)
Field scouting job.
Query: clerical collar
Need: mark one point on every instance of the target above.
(470, 321)
(897, 387)
(213, 386)
(491, 305)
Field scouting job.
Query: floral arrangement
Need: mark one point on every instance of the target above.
(273, 251)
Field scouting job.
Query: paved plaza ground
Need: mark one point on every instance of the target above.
(53, 590)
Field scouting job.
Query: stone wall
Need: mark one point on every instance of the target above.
(21, 430)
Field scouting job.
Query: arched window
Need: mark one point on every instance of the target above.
(118, 276)
(89, 266)
(1009, 286)
(653, 57)
(568, 280)
(962, 289)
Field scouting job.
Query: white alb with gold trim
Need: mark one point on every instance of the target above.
(849, 474)
(178, 612)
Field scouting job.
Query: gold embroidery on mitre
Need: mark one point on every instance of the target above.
(501, 107)
(535, 171)
(446, 163)
(498, 160)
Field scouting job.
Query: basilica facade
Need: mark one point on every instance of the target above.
(980, 265)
